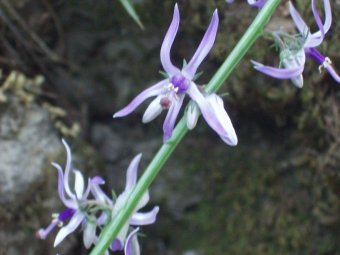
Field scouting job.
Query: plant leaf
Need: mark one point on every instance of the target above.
(132, 12)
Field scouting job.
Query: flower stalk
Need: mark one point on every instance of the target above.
(253, 32)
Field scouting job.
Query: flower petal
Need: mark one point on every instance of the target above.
(131, 244)
(192, 115)
(214, 114)
(317, 37)
(97, 192)
(167, 43)
(203, 49)
(79, 184)
(149, 92)
(101, 220)
(227, 134)
(75, 221)
(299, 22)
(171, 117)
(67, 169)
(140, 219)
(131, 173)
(153, 110)
(66, 202)
(89, 234)
(116, 245)
(279, 73)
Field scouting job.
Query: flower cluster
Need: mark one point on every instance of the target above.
(295, 49)
(90, 208)
(170, 92)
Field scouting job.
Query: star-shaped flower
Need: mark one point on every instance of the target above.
(171, 91)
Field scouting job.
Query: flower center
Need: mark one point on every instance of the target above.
(180, 83)
(66, 214)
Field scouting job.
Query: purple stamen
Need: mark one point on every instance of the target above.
(315, 54)
(43, 233)
(180, 82)
(66, 214)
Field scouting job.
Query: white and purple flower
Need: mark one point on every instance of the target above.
(95, 211)
(171, 91)
(295, 50)
(137, 218)
(75, 203)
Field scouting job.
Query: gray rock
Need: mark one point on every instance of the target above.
(28, 189)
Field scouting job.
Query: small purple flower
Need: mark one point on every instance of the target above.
(171, 91)
(74, 203)
(254, 3)
(295, 50)
(137, 218)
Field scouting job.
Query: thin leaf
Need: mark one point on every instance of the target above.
(132, 12)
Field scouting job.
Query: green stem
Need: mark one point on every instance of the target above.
(113, 227)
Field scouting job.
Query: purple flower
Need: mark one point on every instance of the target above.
(295, 50)
(74, 203)
(137, 218)
(254, 3)
(171, 91)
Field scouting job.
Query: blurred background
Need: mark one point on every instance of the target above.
(67, 66)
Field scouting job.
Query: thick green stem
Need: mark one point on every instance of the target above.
(113, 227)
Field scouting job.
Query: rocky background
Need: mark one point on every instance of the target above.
(67, 66)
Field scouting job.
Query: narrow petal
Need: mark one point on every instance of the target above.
(203, 49)
(153, 110)
(315, 39)
(69, 228)
(299, 22)
(227, 134)
(131, 244)
(167, 43)
(97, 192)
(131, 173)
(79, 184)
(88, 189)
(323, 28)
(192, 115)
(101, 220)
(89, 234)
(67, 169)
(279, 73)
(215, 115)
(318, 19)
(143, 201)
(140, 219)
(171, 117)
(154, 90)
(62, 197)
